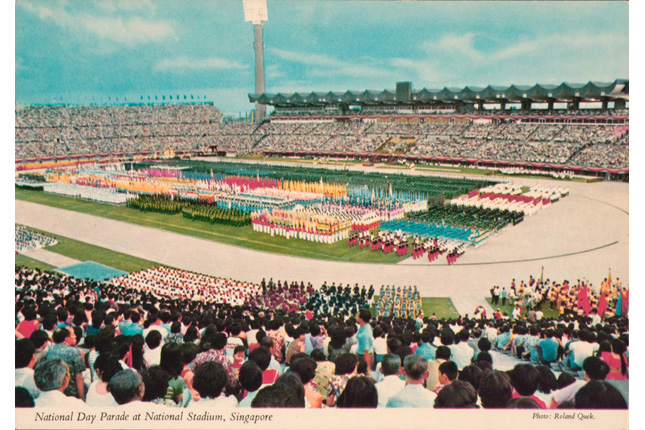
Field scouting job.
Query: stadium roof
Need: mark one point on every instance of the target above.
(591, 91)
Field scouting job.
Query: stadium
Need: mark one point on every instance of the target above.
(442, 248)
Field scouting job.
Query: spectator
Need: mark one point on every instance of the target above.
(52, 377)
(495, 390)
(292, 380)
(391, 383)
(64, 348)
(209, 381)
(457, 395)
(127, 387)
(97, 393)
(413, 395)
(346, 366)
(305, 367)
(23, 398)
(525, 379)
(25, 362)
(594, 369)
(277, 396)
(359, 392)
(472, 374)
(597, 394)
(152, 351)
(461, 353)
(262, 357)
(448, 373)
(251, 380)
(172, 362)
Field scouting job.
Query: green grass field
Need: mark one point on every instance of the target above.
(23, 260)
(442, 307)
(239, 236)
(84, 251)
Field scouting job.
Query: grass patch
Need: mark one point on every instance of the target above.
(84, 251)
(442, 307)
(23, 260)
(239, 236)
(507, 309)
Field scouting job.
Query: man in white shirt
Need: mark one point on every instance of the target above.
(594, 369)
(25, 361)
(158, 327)
(391, 384)
(462, 353)
(152, 349)
(51, 378)
(581, 349)
(413, 394)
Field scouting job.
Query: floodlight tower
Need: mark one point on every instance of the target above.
(255, 11)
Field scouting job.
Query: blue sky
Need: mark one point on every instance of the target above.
(83, 51)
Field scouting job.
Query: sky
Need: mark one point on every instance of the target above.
(115, 51)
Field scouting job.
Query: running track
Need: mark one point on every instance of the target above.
(582, 236)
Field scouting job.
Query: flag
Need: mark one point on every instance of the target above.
(625, 302)
(619, 303)
(542, 276)
(583, 299)
(602, 306)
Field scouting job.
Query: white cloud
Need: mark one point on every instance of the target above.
(274, 71)
(423, 70)
(128, 30)
(180, 64)
(461, 47)
(454, 44)
(326, 66)
(125, 5)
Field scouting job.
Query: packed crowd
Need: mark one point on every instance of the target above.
(82, 343)
(56, 131)
(47, 131)
(26, 239)
(499, 141)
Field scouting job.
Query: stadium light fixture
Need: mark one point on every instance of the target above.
(255, 11)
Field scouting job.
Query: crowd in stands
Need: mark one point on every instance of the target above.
(27, 239)
(49, 131)
(530, 142)
(43, 131)
(80, 342)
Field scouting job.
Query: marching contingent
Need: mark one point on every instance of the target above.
(322, 211)
(26, 239)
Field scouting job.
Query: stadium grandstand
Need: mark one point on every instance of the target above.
(549, 128)
(168, 338)
(540, 126)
